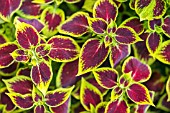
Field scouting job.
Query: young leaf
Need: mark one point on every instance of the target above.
(63, 49)
(139, 94)
(126, 35)
(22, 101)
(42, 1)
(141, 52)
(152, 24)
(19, 84)
(163, 53)
(149, 9)
(166, 26)
(52, 18)
(76, 25)
(26, 35)
(108, 41)
(41, 75)
(64, 108)
(153, 42)
(89, 55)
(88, 5)
(5, 54)
(100, 108)
(20, 55)
(117, 106)
(116, 93)
(29, 9)
(106, 77)
(37, 96)
(118, 53)
(39, 109)
(135, 24)
(140, 72)
(89, 95)
(163, 104)
(38, 25)
(58, 97)
(105, 9)
(8, 8)
(42, 50)
(132, 4)
(98, 25)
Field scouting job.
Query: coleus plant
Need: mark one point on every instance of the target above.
(64, 56)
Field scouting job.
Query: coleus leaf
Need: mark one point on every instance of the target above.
(23, 71)
(139, 72)
(42, 50)
(141, 52)
(38, 25)
(72, 1)
(10, 70)
(26, 35)
(67, 74)
(8, 8)
(52, 18)
(116, 93)
(89, 95)
(118, 53)
(63, 49)
(19, 84)
(163, 104)
(132, 4)
(149, 9)
(117, 106)
(139, 94)
(165, 26)
(152, 24)
(5, 100)
(98, 25)
(42, 1)
(3, 38)
(163, 53)
(153, 42)
(156, 83)
(21, 101)
(88, 5)
(126, 35)
(135, 24)
(105, 9)
(64, 108)
(58, 97)
(76, 25)
(29, 9)
(39, 109)
(41, 75)
(168, 88)
(89, 55)
(37, 96)
(106, 77)
(5, 54)
(100, 108)
(143, 108)
(20, 56)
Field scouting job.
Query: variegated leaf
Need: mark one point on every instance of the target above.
(20, 55)
(139, 72)
(63, 49)
(89, 55)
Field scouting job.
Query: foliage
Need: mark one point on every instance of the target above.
(84, 56)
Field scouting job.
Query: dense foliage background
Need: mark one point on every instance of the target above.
(84, 56)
